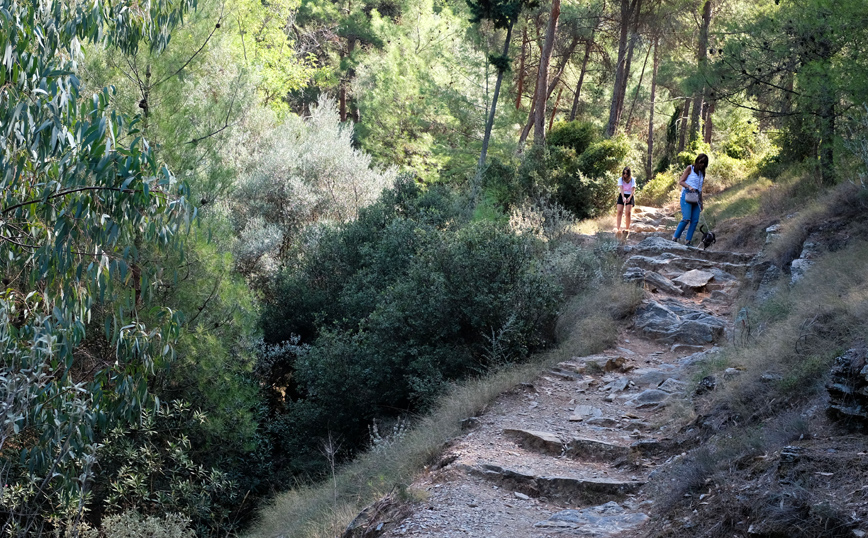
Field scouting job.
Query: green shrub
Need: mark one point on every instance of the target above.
(658, 190)
(725, 171)
(501, 182)
(604, 157)
(575, 135)
(741, 142)
(389, 310)
(131, 524)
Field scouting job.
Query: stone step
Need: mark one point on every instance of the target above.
(652, 246)
(593, 450)
(652, 281)
(571, 489)
(668, 264)
(543, 442)
(610, 519)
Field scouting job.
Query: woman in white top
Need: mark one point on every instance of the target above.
(626, 190)
(691, 180)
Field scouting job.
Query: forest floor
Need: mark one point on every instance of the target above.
(572, 451)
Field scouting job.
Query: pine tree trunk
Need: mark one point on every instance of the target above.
(702, 61)
(342, 101)
(684, 127)
(555, 109)
(649, 164)
(521, 70)
(539, 126)
(575, 108)
(638, 87)
(709, 124)
(490, 123)
(531, 117)
(611, 127)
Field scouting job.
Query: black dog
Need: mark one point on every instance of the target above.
(707, 237)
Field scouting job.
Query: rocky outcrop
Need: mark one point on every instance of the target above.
(848, 386)
(670, 321)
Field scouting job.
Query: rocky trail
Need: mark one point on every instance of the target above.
(570, 454)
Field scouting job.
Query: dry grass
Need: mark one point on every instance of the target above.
(796, 334)
(324, 510)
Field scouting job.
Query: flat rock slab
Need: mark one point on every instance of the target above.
(574, 490)
(671, 322)
(695, 279)
(594, 450)
(585, 412)
(610, 519)
(547, 443)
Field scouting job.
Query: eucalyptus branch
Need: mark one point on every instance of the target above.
(71, 191)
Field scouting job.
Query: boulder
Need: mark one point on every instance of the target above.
(671, 322)
(672, 386)
(695, 279)
(547, 443)
(602, 521)
(650, 398)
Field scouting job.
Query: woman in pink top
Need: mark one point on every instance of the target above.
(626, 190)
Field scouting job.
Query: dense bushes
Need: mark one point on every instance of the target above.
(583, 183)
(396, 304)
(575, 135)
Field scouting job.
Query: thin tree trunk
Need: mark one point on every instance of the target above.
(709, 124)
(521, 69)
(827, 138)
(619, 70)
(637, 8)
(575, 108)
(539, 126)
(490, 123)
(636, 95)
(702, 61)
(342, 101)
(683, 131)
(555, 109)
(649, 164)
(531, 117)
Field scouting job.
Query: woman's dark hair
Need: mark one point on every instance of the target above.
(627, 169)
(701, 163)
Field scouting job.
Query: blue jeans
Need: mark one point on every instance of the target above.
(689, 215)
